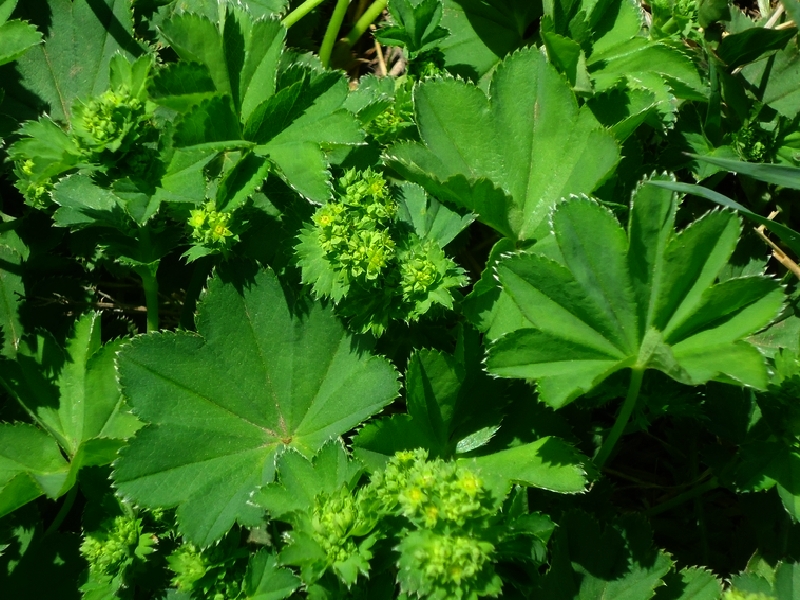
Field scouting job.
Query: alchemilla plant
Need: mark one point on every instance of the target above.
(399, 299)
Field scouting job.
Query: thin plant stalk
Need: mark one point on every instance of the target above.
(332, 32)
(711, 484)
(363, 23)
(150, 285)
(622, 418)
(66, 506)
(300, 12)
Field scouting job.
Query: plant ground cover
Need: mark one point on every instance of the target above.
(438, 299)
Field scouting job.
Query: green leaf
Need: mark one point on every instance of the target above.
(241, 55)
(211, 10)
(711, 11)
(31, 464)
(48, 147)
(6, 9)
(788, 236)
(379, 440)
(617, 48)
(637, 57)
(558, 149)
(82, 203)
(623, 110)
(739, 49)
(787, 581)
(431, 219)
(491, 311)
(642, 300)
(782, 175)
(265, 580)
(241, 182)
(691, 583)
(290, 122)
(184, 180)
(416, 25)
(482, 32)
(628, 568)
(779, 93)
(11, 290)
(210, 125)
(445, 397)
(564, 54)
(181, 85)
(81, 407)
(302, 480)
(549, 463)
(257, 377)
(292, 127)
(16, 38)
(82, 38)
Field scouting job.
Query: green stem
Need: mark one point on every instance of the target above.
(369, 16)
(709, 485)
(332, 32)
(66, 506)
(150, 285)
(300, 12)
(622, 419)
(699, 510)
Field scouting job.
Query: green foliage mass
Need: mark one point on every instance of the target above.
(399, 299)
(356, 251)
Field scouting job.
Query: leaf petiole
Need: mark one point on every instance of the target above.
(66, 506)
(332, 32)
(147, 273)
(637, 373)
(300, 12)
(363, 23)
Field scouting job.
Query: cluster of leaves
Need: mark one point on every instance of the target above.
(322, 404)
(436, 520)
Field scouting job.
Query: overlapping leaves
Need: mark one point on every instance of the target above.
(83, 36)
(228, 87)
(643, 300)
(257, 377)
(449, 416)
(510, 156)
(75, 400)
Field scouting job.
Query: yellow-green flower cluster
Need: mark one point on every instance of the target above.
(213, 573)
(116, 542)
(754, 143)
(189, 566)
(420, 272)
(333, 520)
(392, 124)
(445, 566)
(432, 493)
(448, 552)
(210, 227)
(354, 231)
(739, 595)
(360, 253)
(110, 121)
(38, 193)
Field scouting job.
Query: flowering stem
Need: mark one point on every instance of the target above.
(300, 12)
(637, 373)
(332, 32)
(372, 13)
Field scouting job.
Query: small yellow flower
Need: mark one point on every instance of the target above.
(197, 219)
